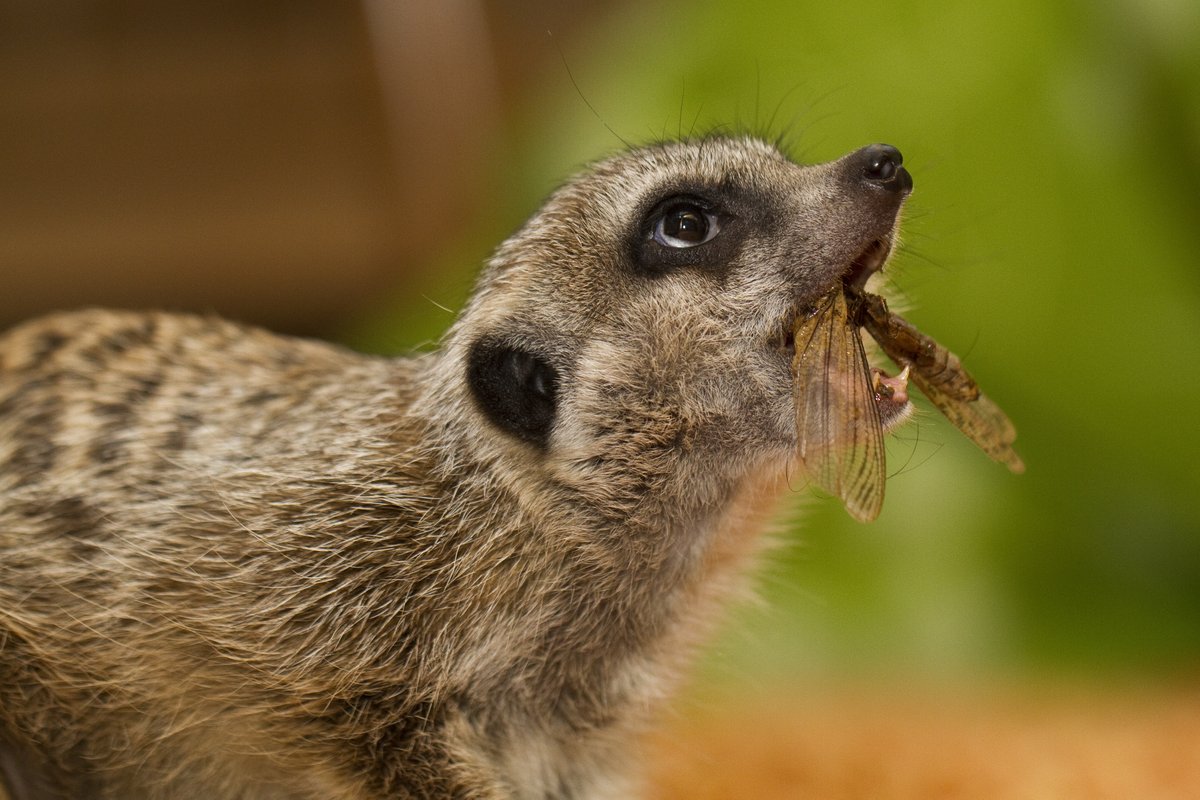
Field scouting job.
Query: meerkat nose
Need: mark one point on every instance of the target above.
(881, 164)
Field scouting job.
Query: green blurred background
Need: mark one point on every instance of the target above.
(1050, 241)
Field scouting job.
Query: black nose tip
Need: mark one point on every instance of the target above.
(882, 161)
(881, 164)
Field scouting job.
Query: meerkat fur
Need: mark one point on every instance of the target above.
(246, 566)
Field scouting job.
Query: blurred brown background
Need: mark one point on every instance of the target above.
(278, 162)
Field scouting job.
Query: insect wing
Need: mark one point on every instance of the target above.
(940, 376)
(837, 423)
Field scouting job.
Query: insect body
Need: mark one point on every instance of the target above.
(940, 376)
(844, 406)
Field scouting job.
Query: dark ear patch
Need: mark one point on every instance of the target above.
(516, 389)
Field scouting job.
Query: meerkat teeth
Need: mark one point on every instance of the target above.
(891, 398)
(893, 389)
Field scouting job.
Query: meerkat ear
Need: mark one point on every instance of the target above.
(516, 389)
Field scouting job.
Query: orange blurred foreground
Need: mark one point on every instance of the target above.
(881, 745)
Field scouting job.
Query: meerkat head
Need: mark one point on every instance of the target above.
(635, 334)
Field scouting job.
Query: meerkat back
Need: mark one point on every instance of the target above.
(139, 452)
(239, 565)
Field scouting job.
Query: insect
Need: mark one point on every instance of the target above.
(844, 406)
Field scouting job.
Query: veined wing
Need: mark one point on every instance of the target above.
(839, 432)
(940, 375)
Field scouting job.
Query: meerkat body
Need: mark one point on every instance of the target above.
(238, 565)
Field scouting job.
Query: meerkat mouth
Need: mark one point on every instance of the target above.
(890, 393)
(853, 278)
(867, 263)
(891, 398)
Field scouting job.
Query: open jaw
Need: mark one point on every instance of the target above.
(867, 263)
(891, 398)
(890, 393)
(853, 278)
(841, 331)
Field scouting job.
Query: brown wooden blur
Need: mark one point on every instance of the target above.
(280, 162)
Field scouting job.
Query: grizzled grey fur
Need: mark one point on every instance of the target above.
(239, 565)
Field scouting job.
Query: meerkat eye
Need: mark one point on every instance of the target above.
(685, 225)
(680, 232)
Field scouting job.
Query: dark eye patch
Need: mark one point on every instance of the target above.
(515, 388)
(698, 227)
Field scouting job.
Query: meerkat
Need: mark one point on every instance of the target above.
(240, 565)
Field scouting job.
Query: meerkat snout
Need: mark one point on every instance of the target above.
(239, 565)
